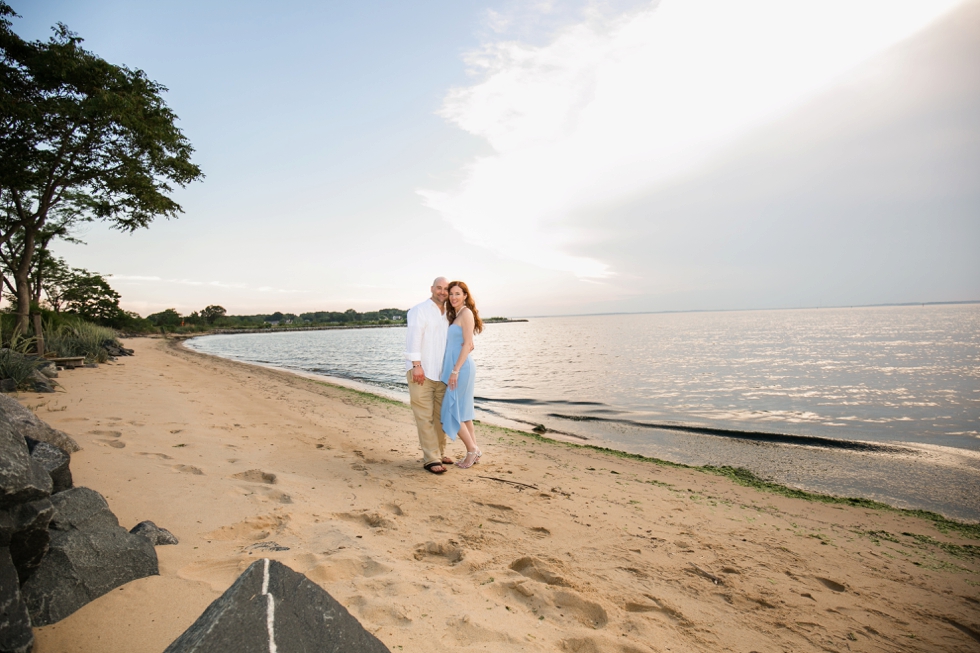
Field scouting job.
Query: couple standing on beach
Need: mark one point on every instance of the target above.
(437, 356)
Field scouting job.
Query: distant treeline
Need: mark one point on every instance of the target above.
(215, 316)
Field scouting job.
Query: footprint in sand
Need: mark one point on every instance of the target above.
(649, 603)
(111, 434)
(556, 603)
(262, 494)
(538, 570)
(448, 551)
(115, 444)
(188, 469)
(343, 568)
(161, 456)
(256, 476)
(467, 632)
(252, 529)
(372, 519)
(600, 644)
(830, 584)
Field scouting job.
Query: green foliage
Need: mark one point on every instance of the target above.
(167, 318)
(75, 337)
(90, 296)
(212, 313)
(81, 140)
(15, 365)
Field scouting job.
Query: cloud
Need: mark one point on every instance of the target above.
(610, 108)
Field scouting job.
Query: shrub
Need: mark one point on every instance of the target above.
(17, 366)
(80, 338)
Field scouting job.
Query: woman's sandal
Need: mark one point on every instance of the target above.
(431, 467)
(476, 458)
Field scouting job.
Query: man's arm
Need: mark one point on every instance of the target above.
(413, 346)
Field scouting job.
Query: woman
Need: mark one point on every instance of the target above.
(458, 371)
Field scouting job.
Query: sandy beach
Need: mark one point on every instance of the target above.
(540, 547)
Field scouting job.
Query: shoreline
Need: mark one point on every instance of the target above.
(937, 472)
(542, 546)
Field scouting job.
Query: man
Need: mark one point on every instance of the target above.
(424, 349)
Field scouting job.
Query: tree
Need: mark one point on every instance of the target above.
(80, 140)
(76, 290)
(90, 296)
(212, 313)
(167, 318)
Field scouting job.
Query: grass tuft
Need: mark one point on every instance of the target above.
(79, 338)
(17, 366)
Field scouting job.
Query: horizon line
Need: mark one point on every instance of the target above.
(736, 310)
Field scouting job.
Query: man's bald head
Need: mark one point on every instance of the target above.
(440, 291)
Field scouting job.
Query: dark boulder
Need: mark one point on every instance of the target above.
(156, 535)
(82, 565)
(21, 479)
(40, 383)
(81, 509)
(117, 350)
(29, 536)
(16, 635)
(26, 423)
(272, 604)
(8, 385)
(55, 461)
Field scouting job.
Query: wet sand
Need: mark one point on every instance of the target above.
(541, 547)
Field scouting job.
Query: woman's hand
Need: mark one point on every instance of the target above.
(453, 380)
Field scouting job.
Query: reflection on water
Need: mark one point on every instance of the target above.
(873, 374)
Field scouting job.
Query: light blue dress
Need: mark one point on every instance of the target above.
(457, 405)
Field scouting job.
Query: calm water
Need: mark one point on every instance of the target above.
(819, 398)
(869, 374)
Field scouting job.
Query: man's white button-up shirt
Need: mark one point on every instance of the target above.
(426, 340)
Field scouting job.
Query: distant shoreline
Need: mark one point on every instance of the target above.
(216, 332)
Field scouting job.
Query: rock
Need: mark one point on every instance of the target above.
(49, 370)
(271, 607)
(156, 535)
(8, 385)
(21, 478)
(115, 350)
(81, 509)
(27, 424)
(16, 635)
(83, 565)
(55, 461)
(29, 536)
(40, 383)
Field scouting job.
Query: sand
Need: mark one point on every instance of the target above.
(592, 553)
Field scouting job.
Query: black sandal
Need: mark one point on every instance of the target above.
(430, 467)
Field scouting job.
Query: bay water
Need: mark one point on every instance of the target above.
(759, 389)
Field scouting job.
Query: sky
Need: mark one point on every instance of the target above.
(560, 157)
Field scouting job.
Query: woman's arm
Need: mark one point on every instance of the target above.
(466, 324)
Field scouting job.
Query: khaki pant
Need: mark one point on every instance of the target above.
(427, 406)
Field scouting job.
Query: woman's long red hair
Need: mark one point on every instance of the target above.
(470, 304)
